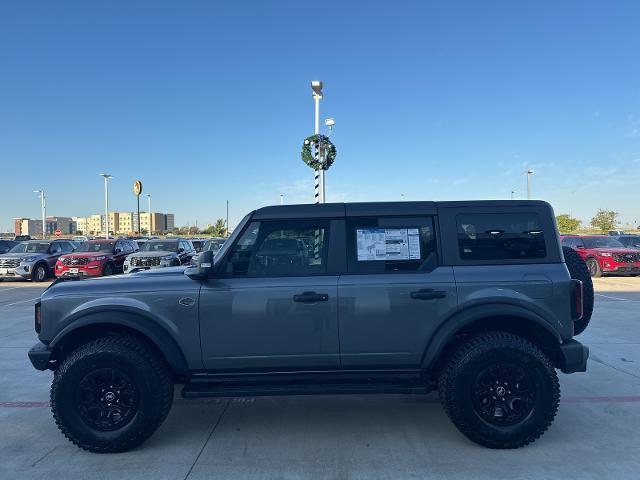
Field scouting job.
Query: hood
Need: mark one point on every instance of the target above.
(145, 281)
(158, 253)
(23, 255)
(85, 254)
(614, 250)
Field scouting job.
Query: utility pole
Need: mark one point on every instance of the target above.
(106, 177)
(316, 86)
(282, 199)
(513, 192)
(529, 173)
(227, 229)
(43, 207)
(149, 205)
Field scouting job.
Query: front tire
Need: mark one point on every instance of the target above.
(108, 269)
(39, 273)
(111, 394)
(499, 390)
(594, 268)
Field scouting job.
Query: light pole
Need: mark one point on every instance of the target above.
(282, 199)
(316, 87)
(227, 229)
(149, 205)
(43, 207)
(106, 177)
(529, 173)
(513, 192)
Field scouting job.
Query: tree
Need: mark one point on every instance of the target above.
(566, 223)
(218, 229)
(605, 220)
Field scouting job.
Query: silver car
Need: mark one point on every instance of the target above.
(158, 253)
(33, 260)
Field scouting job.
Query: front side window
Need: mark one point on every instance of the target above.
(391, 244)
(500, 236)
(281, 248)
(31, 247)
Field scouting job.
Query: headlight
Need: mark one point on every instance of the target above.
(28, 259)
(605, 254)
(96, 259)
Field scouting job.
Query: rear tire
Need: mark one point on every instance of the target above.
(579, 271)
(499, 390)
(111, 394)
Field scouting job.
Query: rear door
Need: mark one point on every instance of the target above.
(395, 292)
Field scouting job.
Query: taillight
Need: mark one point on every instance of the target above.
(38, 320)
(578, 300)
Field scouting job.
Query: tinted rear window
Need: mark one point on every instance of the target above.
(500, 236)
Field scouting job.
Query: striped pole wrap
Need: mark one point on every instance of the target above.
(317, 186)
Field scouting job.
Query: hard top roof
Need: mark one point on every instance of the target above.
(382, 208)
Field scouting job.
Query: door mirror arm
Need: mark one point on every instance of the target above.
(204, 269)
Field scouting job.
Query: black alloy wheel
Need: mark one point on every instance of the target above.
(106, 399)
(503, 394)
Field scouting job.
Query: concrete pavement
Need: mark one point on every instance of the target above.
(596, 433)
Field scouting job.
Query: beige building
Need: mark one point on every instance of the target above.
(81, 224)
(94, 224)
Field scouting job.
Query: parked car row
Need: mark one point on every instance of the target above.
(36, 260)
(605, 254)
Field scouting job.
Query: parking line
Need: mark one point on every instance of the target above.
(7, 289)
(21, 301)
(613, 298)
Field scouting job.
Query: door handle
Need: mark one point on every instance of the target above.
(428, 294)
(310, 297)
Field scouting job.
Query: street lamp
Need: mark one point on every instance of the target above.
(529, 173)
(316, 87)
(149, 205)
(43, 206)
(106, 177)
(282, 199)
(513, 192)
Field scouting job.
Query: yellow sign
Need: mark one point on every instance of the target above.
(137, 187)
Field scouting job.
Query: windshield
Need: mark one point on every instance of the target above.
(601, 242)
(95, 247)
(214, 245)
(31, 247)
(170, 246)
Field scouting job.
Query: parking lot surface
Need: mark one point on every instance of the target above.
(596, 434)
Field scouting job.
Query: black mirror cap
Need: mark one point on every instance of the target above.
(204, 268)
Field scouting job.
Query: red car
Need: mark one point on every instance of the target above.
(94, 258)
(604, 254)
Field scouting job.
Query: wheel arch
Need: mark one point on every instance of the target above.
(506, 318)
(111, 323)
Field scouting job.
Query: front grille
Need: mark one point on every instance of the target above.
(9, 262)
(71, 261)
(626, 257)
(145, 261)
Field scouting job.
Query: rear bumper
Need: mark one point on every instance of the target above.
(40, 356)
(573, 357)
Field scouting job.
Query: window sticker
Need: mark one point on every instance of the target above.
(388, 244)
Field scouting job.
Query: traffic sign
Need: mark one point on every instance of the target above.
(58, 232)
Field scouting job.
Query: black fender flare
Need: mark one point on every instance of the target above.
(464, 318)
(140, 322)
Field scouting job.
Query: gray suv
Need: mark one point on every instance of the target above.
(34, 259)
(472, 299)
(157, 253)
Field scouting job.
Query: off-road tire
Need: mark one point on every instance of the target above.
(579, 271)
(474, 355)
(594, 268)
(39, 273)
(149, 373)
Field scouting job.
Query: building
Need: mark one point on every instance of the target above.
(81, 225)
(114, 226)
(66, 225)
(169, 221)
(94, 225)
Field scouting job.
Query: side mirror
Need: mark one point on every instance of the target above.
(204, 267)
(118, 250)
(580, 247)
(180, 249)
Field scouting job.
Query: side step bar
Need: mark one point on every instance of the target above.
(212, 386)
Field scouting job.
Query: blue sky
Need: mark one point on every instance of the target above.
(208, 101)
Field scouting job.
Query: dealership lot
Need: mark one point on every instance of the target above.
(596, 433)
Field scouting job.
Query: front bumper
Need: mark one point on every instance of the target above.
(573, 357)
(83, 272)
(621, 268)
(22, 271)
(41, 356)
(130, 269)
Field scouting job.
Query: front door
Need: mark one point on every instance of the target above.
(395, 294)
(273, 304)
